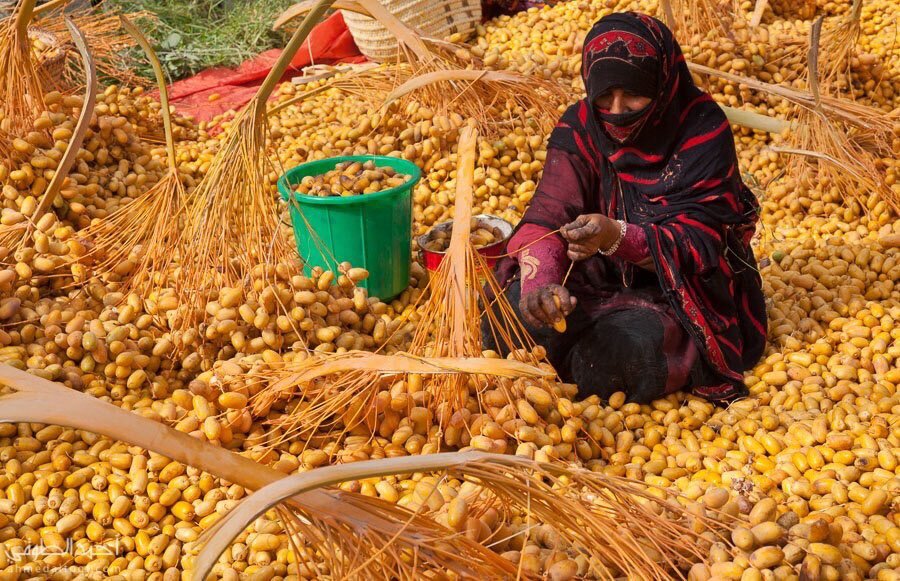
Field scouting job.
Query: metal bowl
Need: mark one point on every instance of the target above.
(491, 253)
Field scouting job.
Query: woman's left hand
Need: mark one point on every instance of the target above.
(588, 234)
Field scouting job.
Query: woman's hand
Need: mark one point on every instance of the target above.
(539, 309)
(588, 234)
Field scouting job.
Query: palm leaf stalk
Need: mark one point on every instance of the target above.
(645, 537)
(871, 128)
(827, 151)
(333, 394)
(20, 235)
(134, 244)
(231, 223)
(342, 532)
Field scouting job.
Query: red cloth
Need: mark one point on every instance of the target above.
(328, 43)
(542, 259)
(633, 247)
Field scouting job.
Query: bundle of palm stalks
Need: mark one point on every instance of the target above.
(836, 142)
(871, 128)
(692, 20)
(108, 41)
(837, 44)
(448, 78)
(578, 506)
(829, 151)
(330, 395)
(22, 82)
(231, 224)
(335, 395)
(450, 319)
(133, 245)
(342, 535)
(19, 235)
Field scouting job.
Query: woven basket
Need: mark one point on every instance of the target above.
(432, 18)
(52, 64)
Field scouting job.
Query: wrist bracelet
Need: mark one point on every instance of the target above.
(615, 246)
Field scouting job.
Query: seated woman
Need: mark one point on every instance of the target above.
(641, 189)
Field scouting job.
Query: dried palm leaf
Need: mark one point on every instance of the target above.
(645, 537)
(759, 8)
(19, 235)
(336, 393)
(827, 151)
(871, 128)
(348, 534)
(838, 43)
(400, 363)
(108, 41)
(457, 81)
(690, 19)
(478, 93)
(450, 319)
(231, 224)
(134, 244)
(21, 81)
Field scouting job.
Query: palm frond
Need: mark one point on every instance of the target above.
(19, 235)
(842, 156)
(230, 225)
(344, 532)
(645, 536)
(133, 246)
(108, 40)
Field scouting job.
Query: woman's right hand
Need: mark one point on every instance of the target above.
(539, 309)
(588, 234)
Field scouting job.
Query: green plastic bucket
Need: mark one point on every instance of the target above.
(371, 231)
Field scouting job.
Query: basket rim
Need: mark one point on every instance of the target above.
(52, 39)
(443, 17)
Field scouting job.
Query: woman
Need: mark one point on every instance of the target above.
(642, 191)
